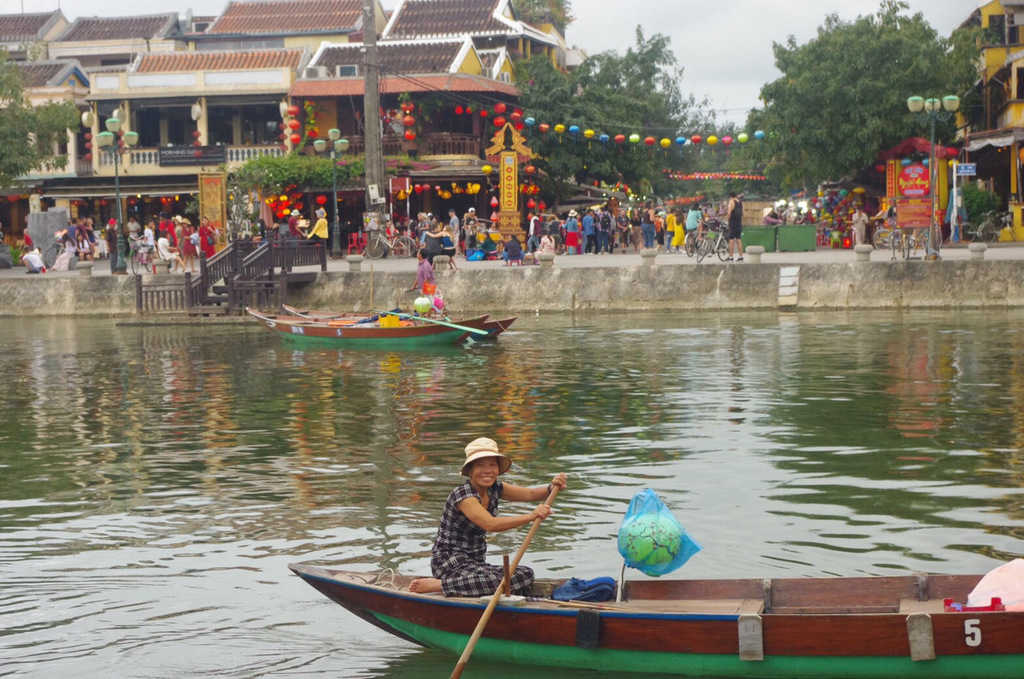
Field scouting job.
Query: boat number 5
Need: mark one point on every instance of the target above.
(972, 632)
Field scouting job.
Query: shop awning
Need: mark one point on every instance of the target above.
(995, 138)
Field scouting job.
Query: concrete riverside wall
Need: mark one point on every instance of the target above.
(915, 284)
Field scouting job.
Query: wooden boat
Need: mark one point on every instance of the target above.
(807, 627)
(348, 333)
(494, 327)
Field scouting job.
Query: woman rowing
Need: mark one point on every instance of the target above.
(470, 513)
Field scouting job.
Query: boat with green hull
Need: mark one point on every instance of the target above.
(846, 628)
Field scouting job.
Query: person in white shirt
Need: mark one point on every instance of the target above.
(169, 254)
(33, 262)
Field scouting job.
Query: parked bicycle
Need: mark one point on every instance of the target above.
(141, 257)
(714, 241)
(379, 245)
(905, 242)
(988, 229)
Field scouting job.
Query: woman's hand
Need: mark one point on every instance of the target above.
(541, 512)
(560, 481)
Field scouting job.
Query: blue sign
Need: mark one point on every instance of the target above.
(966, 169)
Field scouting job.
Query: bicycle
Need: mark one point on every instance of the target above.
(904, 242)
(690, 243)
(991, 225)
(140, 257)
(719, 244)
(379, 245)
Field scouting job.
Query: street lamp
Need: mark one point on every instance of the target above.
(933, 109)
(338, 145)
(115, 142)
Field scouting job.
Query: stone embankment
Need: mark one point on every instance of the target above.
(817, 286)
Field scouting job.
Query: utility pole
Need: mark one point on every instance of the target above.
(371, 111)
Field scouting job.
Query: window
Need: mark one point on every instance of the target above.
(346, 71)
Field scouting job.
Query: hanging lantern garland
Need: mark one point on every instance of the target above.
(702, 176)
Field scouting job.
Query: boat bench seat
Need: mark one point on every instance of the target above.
(696, 606)
(908, 606)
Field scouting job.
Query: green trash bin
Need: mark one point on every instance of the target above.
(759, 235)
(798, 238)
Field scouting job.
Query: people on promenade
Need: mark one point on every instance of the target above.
(860, 225)
(533, 229)
(167, 253)
(190, 244)
(572, 233)
(458, 562)
(513, 251)
(33, 261)
(589, 232)
(318, 234)
(547, 245)
(424, 272)
(448, 247)
(455, 229)
(734, 214)
(207, 238)
(83, 245)
(111, 239)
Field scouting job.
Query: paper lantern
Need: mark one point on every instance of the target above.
(620, 139)
(487, 169)
(574, 130)
(542, 206)
(589, 134)
(469, 110)
(650, 141)
(295, 139)
(321, 200)
(408, 107)
(666, 143)
(459, 110)
(494, 202)
(408, 121)
(712, 140)
(696, 139)
(544, 128)
(418, 189)
(559, 128)
(516, 116)
(742, 138)
(681, 141)
(530, 169)
(87, 157)
(759, 135)
(293, 110)
(519, 125)
(292, 124)
(499, 121)
(500, 107)
(604, 139)
(410, 135)
(634, 138)
(531, 204)
(530, 122)
(727, 140)
(484, 113)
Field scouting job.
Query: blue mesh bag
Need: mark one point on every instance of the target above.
(651, 540)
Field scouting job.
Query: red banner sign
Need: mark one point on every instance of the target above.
(914, 213)
(914, 181)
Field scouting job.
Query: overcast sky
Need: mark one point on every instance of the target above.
(725, 47)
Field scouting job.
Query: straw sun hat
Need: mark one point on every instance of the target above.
(481, 448)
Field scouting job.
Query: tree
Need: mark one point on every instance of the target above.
(842, 95)
(29, 134)
(636, 92)
(558, 12)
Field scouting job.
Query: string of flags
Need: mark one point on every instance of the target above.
(701, 176)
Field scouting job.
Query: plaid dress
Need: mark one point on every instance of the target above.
(460, 548)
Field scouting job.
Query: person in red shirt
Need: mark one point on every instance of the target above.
(206, 238)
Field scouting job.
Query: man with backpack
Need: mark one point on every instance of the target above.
(604, 233)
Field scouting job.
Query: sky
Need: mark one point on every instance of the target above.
(725, 49)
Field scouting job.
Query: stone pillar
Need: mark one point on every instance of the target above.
(754, 253)
(649, 255)
(355, 263)
(441, 263)
(84, 268)
(977, 251)
(863, 252)
(547, 260)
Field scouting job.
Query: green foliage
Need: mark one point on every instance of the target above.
(28, 133)
(558, 12)
(977, 202)
(271, 175)
(611, 93)
(842, 96)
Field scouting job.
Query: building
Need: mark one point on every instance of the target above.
(26, 36)
(105, 42)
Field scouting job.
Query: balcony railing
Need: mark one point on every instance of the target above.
(430, 144)
(148, 159)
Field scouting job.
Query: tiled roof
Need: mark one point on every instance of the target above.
(453, 82)
(39, 73)
(119, 28)
(175, 62)
(22, 27)
(289, 16)
(404, 57)
(422, 18)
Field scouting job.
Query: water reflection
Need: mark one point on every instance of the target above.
(166, 476)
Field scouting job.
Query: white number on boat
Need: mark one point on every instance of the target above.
(972, 632)
(339, 332)
(297, 330)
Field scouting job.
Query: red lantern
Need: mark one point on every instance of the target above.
(696, 139)
(418, 189)
(195, 134)
(408, 107)
(484, 113)
(88, 136)
(281, 126)
(313, 133)
(437, 189)
(499, 121)
(500, 107)
(197, 153)
(494, 201)
(295, 139)
(469, 110)
(542, 206)
(321, 200)
(650, 141)
(459, 110)
(517, 115)
(410, 135)
(408, 121)
(880, 168)
(196, 143)
(529, 169)
(88, 144)
(87, 157)
(293, 110)
(620, 139)
(519, 125)
(293, 124)
(531, 204)
(544, 128)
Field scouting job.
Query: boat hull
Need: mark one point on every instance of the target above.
(839, 645)
(307, 332)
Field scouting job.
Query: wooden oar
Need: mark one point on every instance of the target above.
(475, 331)
(485, 618)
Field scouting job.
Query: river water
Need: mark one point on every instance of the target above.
(156, 482)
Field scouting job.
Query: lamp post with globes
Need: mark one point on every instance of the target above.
(933, 109)
(338, 146)
(115, 141)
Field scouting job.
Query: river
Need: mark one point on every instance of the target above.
(156, 482)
